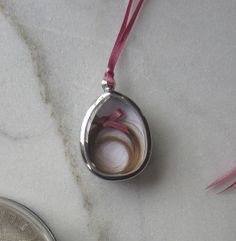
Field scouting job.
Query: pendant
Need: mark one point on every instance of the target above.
(115, 138)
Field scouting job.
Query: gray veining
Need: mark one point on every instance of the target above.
(181, 54)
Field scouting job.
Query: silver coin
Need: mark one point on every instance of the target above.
(18, 223)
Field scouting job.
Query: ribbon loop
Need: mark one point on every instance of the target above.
(112, 121)
(120, 40)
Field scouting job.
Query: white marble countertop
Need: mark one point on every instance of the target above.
(178, 66)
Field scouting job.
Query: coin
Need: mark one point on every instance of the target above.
(18, 223)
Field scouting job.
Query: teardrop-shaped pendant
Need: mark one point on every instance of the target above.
(115, 139)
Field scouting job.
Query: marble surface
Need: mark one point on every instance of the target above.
(178, 66)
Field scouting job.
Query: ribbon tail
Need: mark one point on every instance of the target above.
(228, 187)
(116, 115)
(223, 178)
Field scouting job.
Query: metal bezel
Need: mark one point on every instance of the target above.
(84, 132)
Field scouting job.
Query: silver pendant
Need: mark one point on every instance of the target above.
(115, 138)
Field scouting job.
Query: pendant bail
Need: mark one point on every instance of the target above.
(107, 87)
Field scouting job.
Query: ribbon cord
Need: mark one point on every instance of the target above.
(224, 178)
(120, 40)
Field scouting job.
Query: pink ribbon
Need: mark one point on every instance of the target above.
(222, 179)
(111, 121)
(120, 40)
